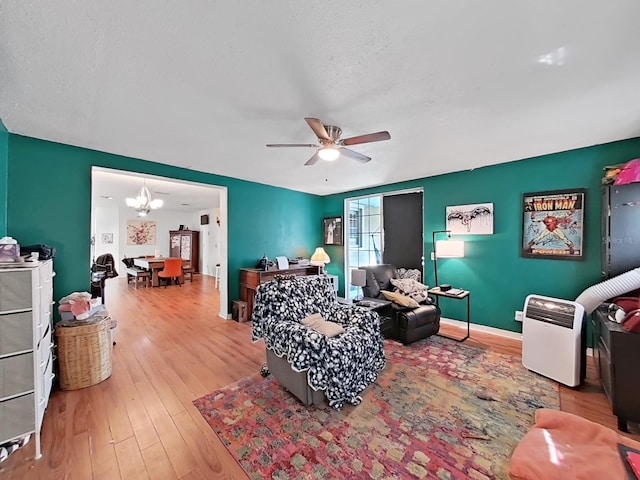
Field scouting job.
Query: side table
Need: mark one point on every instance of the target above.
(381, 307)
(457, 294)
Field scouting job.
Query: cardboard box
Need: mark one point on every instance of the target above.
(9, 252)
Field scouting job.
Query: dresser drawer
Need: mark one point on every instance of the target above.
(16, 375)
(17, 417)
(15, 290)
(604, 370)
(16, 332)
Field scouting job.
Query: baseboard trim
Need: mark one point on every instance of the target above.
(482, 328)
(492, 331)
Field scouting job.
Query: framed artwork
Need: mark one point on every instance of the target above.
(332, 231)
(141, 232)
(474, 219)
(553, 224)
(107, 238)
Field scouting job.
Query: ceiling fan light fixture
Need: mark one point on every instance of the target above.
(329, 153)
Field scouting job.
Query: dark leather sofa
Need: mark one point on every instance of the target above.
(408, 324)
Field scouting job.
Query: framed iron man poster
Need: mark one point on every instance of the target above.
(553, 224)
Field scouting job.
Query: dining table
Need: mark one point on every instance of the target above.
(154, 265)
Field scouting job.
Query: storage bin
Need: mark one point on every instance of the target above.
(239, 311)
(84, 353)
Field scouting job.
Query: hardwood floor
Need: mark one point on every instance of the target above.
(171, 349)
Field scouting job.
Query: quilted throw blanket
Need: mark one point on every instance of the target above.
(344, 365)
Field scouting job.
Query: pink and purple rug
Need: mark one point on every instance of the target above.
(423, 418)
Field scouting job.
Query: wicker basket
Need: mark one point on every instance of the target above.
(84, 354)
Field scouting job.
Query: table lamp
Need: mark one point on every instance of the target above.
(320, 258)
(358, 279)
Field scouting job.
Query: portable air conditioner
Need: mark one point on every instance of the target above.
(553, 342)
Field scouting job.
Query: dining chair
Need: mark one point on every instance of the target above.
(188, 269)
(172, 269)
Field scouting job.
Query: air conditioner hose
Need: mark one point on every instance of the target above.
(616, 286)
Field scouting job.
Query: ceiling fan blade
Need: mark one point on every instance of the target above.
(354, 155)
(318, 128)
(369, 137)
(313, 159)
(292, 145)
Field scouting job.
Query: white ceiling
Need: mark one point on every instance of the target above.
(111, 188)
(459, 84)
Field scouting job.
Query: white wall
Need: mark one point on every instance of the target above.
(166, 220)
(106, 221)
(114, 220)
(209, 243)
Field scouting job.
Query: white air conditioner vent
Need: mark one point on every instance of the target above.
(552, 338)
(557, 312)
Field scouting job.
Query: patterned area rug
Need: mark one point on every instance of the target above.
(423, 418)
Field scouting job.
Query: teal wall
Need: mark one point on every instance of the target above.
(49, 201)
(4, 152)
(493, 270)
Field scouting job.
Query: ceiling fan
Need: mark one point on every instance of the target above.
(331, 145)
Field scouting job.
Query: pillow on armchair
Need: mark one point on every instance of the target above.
(411, 288)
(400, 299)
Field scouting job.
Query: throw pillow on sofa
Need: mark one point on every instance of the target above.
(400, 299)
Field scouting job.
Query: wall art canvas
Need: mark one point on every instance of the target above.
(553, 224)
(141, 232)
(107, 238)
(474, 219)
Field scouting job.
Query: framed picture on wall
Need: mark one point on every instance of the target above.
(474, 219)
(553, 224)
(107, 238)
(332, 231)
(141, 232)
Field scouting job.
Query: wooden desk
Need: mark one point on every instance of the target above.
(250, 278)
(154, 265)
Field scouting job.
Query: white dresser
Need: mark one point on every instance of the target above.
(26, 359)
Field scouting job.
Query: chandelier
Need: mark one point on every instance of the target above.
(143, 203)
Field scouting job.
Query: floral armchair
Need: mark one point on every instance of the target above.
(343, 365)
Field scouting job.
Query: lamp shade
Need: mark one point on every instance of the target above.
(320, 257)
(450, 249)
(358, 277)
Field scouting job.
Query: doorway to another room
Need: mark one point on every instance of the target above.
(126, 229)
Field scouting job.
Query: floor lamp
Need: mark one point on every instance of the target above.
(445, 249)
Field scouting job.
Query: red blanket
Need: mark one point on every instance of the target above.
(564, 446)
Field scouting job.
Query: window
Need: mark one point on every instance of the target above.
(355, 226)
(365, 236)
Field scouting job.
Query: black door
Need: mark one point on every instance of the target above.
(402, 221)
